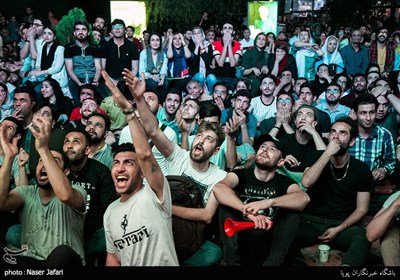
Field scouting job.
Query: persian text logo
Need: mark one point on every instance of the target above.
(10, 255)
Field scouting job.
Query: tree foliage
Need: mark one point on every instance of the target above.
(65, 27)
(183, 14)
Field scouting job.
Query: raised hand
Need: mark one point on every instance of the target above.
(23, 157)
(118, 97)
(10, 149)
(41, 130)
(136, 86)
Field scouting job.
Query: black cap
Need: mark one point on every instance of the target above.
(267, 137)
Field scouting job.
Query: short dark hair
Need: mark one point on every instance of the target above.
(81, 22)
(242, 92)
(88, 138)
(26, 89)
(118, 21)
(352, 123)
(124, 147)
(20, 127)
(106, 119)
(209, 110)
(45, 103)
(365, 99)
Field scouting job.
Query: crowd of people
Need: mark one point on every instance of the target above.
(297, 132)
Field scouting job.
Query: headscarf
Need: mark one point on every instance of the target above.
(284, 46)
(335, 57)
(255, 57)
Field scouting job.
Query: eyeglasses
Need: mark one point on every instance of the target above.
(332, 90)
(118, 26)
(287, 101)
(221, 92)
(36, 24)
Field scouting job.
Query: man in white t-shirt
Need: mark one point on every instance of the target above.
(138, 226)
(194, 164)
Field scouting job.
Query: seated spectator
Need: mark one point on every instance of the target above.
(272, 201)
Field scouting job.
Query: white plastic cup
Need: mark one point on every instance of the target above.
(323, 253)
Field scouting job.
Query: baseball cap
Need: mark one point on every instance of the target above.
(267, 137)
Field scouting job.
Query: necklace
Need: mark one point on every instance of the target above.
(345, 173)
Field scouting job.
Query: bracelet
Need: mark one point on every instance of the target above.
(128, 111)
(277, 127)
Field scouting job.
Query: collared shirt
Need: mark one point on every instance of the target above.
(340, 110)
(377, 150)
(355, 61)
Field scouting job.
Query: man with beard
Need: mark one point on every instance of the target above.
(98, 126)
(96, 179)
(246, 131)
(82, 61)
(272, 201)
(331, 104)
(86, 91)
(374, 145)
(89, 106)
(189, 114)
(52, 211)
(359, 87)
(339, 187)
(382, 52)
(166, 114)
(264, 106)
(194, 164)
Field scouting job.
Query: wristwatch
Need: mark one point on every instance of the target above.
(387, 93)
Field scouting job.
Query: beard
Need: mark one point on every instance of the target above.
(45, 186)
(265, 165)
(202, 158)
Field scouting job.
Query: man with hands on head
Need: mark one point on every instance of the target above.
(52, 211)
(143, 214)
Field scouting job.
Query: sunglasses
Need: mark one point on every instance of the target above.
(118, 26)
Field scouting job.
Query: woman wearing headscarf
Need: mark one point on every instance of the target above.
(200, 65)
(331, 56)
(306, 54)
(282, 60)
(255, 62)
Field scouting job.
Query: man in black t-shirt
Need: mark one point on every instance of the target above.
(304, 140)
(261, 195)
(339, 186)
(119, 53)
(96, 179)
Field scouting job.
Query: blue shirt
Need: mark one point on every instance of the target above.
(377, 150)
(355, 62)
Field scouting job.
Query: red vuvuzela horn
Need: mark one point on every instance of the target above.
(231, 226)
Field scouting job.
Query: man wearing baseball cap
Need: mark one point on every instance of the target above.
(271, 200)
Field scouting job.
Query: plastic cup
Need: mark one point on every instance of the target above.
(323, 253)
